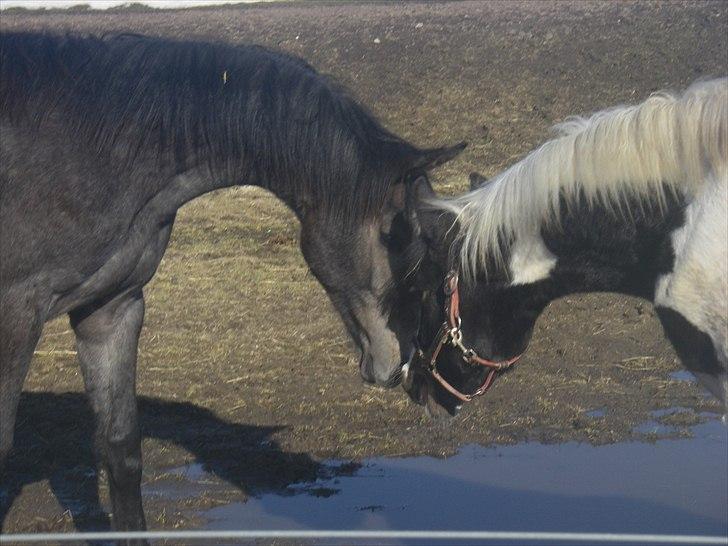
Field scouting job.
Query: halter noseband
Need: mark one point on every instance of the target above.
(450, 332)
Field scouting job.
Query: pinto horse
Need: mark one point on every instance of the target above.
(631, 200)
(103, 139)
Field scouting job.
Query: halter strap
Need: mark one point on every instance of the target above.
(450, 332)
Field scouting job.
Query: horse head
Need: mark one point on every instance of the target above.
(356, 268)
(470, 329)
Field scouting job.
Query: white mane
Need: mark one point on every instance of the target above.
(675, 140)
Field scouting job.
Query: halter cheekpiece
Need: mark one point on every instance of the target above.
(450, 332)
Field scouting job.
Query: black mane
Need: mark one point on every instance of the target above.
(251, 115)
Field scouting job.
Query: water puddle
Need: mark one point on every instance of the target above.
(666, 486)
(666, 422)
(683, 375)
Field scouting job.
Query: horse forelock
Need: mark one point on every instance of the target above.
(670, 142)
(247, 113)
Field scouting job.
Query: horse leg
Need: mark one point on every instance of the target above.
(107, 336)
(20, 329)
(697, 352)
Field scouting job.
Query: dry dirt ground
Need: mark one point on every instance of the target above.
(243, 364)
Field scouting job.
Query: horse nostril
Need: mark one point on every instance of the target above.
(365, 369)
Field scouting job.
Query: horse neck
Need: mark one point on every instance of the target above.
(595, 249)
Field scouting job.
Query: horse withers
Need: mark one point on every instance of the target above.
(103, 139)
(631, 200)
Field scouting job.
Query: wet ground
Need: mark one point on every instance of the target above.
(234, 372)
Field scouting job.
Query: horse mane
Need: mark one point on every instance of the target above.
(249, 114)
(669, 142)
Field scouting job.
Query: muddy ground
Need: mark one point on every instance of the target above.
(244, 365)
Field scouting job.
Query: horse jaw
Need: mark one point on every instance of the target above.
(422, 391)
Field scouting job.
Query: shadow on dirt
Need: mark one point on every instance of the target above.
(53, 442)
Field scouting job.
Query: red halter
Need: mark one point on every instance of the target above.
(450, 332)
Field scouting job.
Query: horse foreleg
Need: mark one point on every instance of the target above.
(107, 336)
(698, 353)
(20, 328)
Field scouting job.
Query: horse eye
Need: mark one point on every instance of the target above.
(387, 239)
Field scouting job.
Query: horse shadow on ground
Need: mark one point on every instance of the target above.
(54, 437)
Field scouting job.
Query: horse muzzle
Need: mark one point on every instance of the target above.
(369, 373)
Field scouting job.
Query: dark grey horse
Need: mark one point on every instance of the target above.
(103, 139)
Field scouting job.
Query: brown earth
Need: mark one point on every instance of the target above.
(243, 364)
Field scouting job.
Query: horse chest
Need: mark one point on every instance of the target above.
(698, 283)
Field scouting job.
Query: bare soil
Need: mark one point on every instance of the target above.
(244, 365)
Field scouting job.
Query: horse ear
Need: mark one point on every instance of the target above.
(421, 189)
(434, 157)
(477, 180)
(406, 194)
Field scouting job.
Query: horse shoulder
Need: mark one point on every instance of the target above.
(76, 222)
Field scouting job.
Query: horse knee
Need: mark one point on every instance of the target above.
(125, 469)
(122, 455)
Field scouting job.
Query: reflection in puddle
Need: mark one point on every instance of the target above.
(669, 486)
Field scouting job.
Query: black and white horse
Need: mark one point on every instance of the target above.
(631, 200)
(103, 139)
